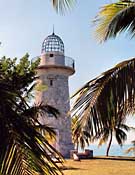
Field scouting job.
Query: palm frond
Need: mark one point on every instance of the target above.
(15, 161)
(129, 150)
(21, 160)
(120, 136)
(115, 18)
(25, 137)
(62, 6)
(80, 137)
(113, 90)
(125, 127)
(104, 137)
(24, 150)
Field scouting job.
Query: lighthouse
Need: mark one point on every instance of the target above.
(54, 71)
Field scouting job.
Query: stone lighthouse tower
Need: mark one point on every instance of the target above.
(53, 71)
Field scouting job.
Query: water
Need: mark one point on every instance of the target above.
(115, 150)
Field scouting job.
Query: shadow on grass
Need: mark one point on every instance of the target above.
(115, 158)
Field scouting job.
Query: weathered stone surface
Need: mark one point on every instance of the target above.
(57, 95)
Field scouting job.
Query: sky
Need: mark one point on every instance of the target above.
(24, 24)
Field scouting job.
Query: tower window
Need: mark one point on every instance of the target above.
(51, 82)
(51, 55)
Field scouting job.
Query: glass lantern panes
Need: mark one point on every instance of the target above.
(53, 43)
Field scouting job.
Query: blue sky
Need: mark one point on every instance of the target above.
(25, 23)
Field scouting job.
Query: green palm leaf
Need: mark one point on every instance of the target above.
(112, 94)
(24, 136)
(120, 136)
(80, 136)
(62, 5)
(24, 150)
(104, 137)
(115, 18)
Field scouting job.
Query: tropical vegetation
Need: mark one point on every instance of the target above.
(80, 137)
(116, 128)
(115, 18)
(62, 6)
(103, 103)
(23, 149)
(131, 149)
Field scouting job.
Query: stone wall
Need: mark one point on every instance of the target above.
(57, 95)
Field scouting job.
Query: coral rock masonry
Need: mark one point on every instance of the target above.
(53, 72)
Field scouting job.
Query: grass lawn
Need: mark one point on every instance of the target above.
(101, 166)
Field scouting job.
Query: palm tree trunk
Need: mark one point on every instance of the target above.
(109, 145)
(77, 145)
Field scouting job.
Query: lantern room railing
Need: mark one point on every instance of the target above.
(66, 61)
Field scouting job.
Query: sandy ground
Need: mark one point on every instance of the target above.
(100, 166)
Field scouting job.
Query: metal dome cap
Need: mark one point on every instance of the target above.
(52, 43)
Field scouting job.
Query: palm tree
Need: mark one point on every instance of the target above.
(115, 128)
(23, 149)
(75, 132)
(79, 136)
(107, 97)
(115, 18)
